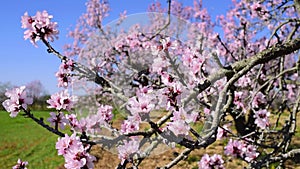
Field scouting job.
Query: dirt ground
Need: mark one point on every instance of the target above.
(108, 160)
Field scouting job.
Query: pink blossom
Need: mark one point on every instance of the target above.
(39, 27)
(159, 64)
(73, 121)
(65, 143)
(291, 92)
(17, 100)
(164, 45)
(223, 133)
(206, 111)
(179, 127)
(258, 9)
(156, 49)
(105, 113)
(78, 158)
(261, 118)
(166, 79)
(96, 12)
(140, 104)
(182, 114)
(238, 97)
(93, 122)
(20, 165)
(213, 162)
(234, 148)
(58, 119)
(240, 149)
(63, 78)
(62, 101)
(122, 16)
(244, 81)
(64, 73)
(75, 154)
(258, 100)
(168, 44)
(250, 153)
(128, 149)
(131, 124)
(191, 117)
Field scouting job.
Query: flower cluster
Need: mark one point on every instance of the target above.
(165, 45)
(240, 149)
(179, 124)
(75, 154)
(73, 122)
(92, 124)
(62, 101)
(128, 149)
(139, 106)
(131, 124)
(20, 165)
(259, 100)
(223, 132)
(17, 101)
(213, 162)
(64, 73)
(238, 101)
(96, 12)
(105, 112)
(58, 119)
(39, 27)
(141, 103)
(262, 118)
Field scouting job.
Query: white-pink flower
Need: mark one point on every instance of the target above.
(93, 122)
(262, 118)
(258, 100)
(62, 101)
(131, 124)
(234, 148)
(140, 104)
(213, 162)
(79, 158)
(244, 81)
(223, 133)
(105, 113)
(58, 119)
(179, 127)
(128, 149)
(238, 101)
(20, 164)
(39, 26)
(17, 100)
(250, 153)
(65, 143)
(64, 73)
(73, 122)
(74, 152)
(159, 64)
(239, 149)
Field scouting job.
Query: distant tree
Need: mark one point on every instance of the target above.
(35, 89)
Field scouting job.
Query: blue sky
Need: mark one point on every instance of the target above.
(21, 62)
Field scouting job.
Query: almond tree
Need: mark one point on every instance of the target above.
(235, 82)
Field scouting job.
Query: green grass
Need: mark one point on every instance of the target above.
(22, 138)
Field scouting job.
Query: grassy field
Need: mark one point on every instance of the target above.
(22, 138)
